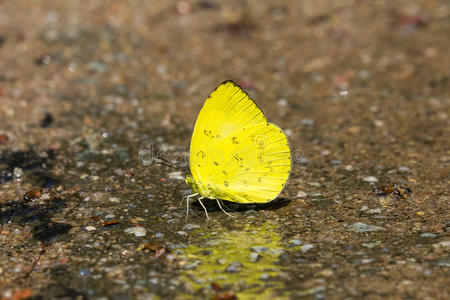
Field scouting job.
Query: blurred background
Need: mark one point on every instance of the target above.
(360, 87)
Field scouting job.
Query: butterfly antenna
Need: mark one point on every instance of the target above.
(162, 161)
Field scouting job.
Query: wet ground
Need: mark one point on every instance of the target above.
(89, 91)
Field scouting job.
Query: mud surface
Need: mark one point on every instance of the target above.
(89, 90)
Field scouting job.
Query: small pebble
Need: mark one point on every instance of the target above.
(114, 200)
(17, 172)
(370, 179)
(282, 102)
(326, 273)
(177, 175)
(301, 194)
(325, 152)
(348, 168)
(190, 226)
(306, 247)
(403, 169)
(295, 242)
(354, 129)
(234, 267)
(428, 235)
(374, 211)
(364, 208)
(314, 194)
(445, 244)
(370, 245)
(181, 232)
(254, 257)
(303, 161)
(335, 162)
(443, 263)
(137, 231)
(366, 261)
(378, 123)
(193, 265)
(90, 228)
(85, 272)
(361, 227)
(259, 249)
(307, 122)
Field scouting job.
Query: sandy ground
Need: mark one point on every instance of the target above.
(88, 89)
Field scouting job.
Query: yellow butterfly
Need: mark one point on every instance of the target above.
(236, 154)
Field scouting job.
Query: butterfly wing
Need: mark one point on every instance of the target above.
(236, 154)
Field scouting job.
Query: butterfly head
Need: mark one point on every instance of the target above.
(206, 190)
(191, 181)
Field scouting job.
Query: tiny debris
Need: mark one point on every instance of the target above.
(224, 296)
(215, 286)
(409, 23)
(156, 248)
(109, 223)
(22, 294)
(400, 192)
(3, 139)
(33, 194)
(47, 120)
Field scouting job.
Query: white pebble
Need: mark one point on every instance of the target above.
(137, 231)
(301, 194)
(370, 179)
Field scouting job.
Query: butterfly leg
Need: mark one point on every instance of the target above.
(218, 202)
(187, 202)
(201, 203)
